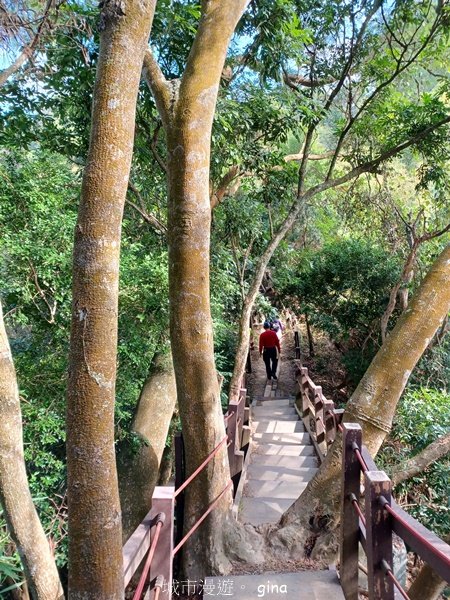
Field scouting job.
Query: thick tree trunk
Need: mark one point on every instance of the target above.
(139, 470)
(95, 536)
(192, 346)
(418, 463)
(373, 406)
(21, 517)
(428, 585)
(187, 110)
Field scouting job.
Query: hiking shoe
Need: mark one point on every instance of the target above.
(275, 377)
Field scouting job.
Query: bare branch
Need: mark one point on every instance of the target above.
(148, 217)
(224, 186)
(51, 306)
(29, 50)
(294, 157)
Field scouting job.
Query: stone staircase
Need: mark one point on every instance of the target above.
(282, 459)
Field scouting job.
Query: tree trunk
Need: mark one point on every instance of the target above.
(310, 336)
(372, 405)
(139, 470)
(428, 585)
(187, 110)
(249, 301)
(95, 535)
(418, 463)
(21, 517)
(405, 278)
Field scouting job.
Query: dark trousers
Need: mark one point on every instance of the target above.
(271, 361)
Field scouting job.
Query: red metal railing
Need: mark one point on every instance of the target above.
(202, 518)
(374, 527)
(151, 540)
(199, 469)
(382, 515)
(160, 522)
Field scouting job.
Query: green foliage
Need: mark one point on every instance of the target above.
(422, 416)
(11, 576)
(344, 287)
(433, 369)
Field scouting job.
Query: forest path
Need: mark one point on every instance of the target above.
(282, 458)
(282, 461)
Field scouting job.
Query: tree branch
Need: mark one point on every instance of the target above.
(418, 463)
(293, 157)
(158, 85)
(224, 186)
(27, 51)
(148, 217)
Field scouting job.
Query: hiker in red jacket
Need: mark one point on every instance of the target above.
(268, 344)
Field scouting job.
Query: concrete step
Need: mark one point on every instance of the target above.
(276, 403)
(273, 410)
(274, 415)
(257, 510)
(268, 473)
(303, 585)
(303, 450)
(301, 439)
(278, 426)
(280, 449)
(288, 462)
(269, 490)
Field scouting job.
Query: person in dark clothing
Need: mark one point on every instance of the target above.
(268, 344)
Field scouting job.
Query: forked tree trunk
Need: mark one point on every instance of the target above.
(373, 406)
(187, 110)
(139, 469)
(95, 535)
(21, 517)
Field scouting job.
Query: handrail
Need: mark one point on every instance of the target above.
(202, 518)
(382, 517)
(158, 561)
(160, 519)
(201, 467)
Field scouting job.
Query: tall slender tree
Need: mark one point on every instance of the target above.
(187, 109)
(95, 537)
(21, 516)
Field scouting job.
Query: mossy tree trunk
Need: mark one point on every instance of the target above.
(21, 517)
(95, 537)
(187, 109)
(315, 515)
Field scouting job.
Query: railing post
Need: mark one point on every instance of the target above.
(241, 416)
(231, 435)
(297, 345)
(351, 473)
(319, 419)
(378, 535)
(180, 476)
(330, 422)
(163, 502)
(248, 363)
(304, 392)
